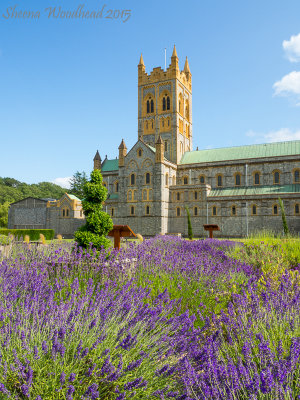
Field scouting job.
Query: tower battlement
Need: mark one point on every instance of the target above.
(159, 75)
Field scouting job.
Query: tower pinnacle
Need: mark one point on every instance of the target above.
(141, 60)
(174, 52)
(186, 66)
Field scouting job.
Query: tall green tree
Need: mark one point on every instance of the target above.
(190, 229)
(284, 221)
(4, 214)
(98, 222)
(78, 180)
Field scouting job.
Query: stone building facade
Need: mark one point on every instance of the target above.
(65, 215)
(236, 187)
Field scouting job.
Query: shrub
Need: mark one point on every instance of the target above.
(98, 222)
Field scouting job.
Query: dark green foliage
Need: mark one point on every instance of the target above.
(12, 190)
(98, 223)
(78, 180)
(4, 214)
(284, 222)
(190, 229)
(34, 234)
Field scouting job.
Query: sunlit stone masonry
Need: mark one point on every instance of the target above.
(235, 187)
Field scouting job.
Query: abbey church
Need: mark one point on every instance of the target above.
(237, 188)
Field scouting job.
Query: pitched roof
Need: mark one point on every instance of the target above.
(110, 165)
(290, 148)
(254, 190)
(73, 197)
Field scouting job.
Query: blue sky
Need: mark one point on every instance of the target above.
(69, 86)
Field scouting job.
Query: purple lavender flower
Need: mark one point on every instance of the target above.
(25, 390)
(62, 378)
(72, 377)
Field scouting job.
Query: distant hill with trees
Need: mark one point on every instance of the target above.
(12, 190)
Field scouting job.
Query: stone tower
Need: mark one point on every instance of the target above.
(165, 107)
(97, 161)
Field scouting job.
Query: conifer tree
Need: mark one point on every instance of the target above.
(284, 222)
(98, 222)
(190, 229)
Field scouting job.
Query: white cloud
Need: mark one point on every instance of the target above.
(63, 182)
(289, 84)
(281, 135)
(292, 48)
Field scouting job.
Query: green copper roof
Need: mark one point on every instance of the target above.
(73, 197)
(254, 190)
(110, 165)
(152, 148)
(112, 196)
(291, 148)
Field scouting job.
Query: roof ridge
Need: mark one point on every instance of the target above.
(245, 145)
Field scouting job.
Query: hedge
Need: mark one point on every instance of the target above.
(34, 234)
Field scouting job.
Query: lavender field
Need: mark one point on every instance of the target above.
(164, 319)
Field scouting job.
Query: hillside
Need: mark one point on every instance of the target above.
(12, 190)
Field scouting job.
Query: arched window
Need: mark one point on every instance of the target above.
(147, 210)
(145, 194)
(202, 179)
(187, 112)
(164, 104)
(214, 211)
(132, 210)
(167, 179)
(67, 212)
(219, 180)
(147, 178)
(140, 152)
(152, 106)
(297, 211)
(117, 187)
(195, 211)
(63, 212)
(168, 103)
(178, 211)
(237, 180)
(195, 195)
(275, 209)
(233, 210)
(256, 178)
(148, 106)
(166, 145)
(185, 180)
(296, 176)
(112, 212)
(276, 177)
(179, 106)
(254, 209)
(132, 179)
(178, 196)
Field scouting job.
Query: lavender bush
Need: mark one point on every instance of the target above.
(166, 319)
